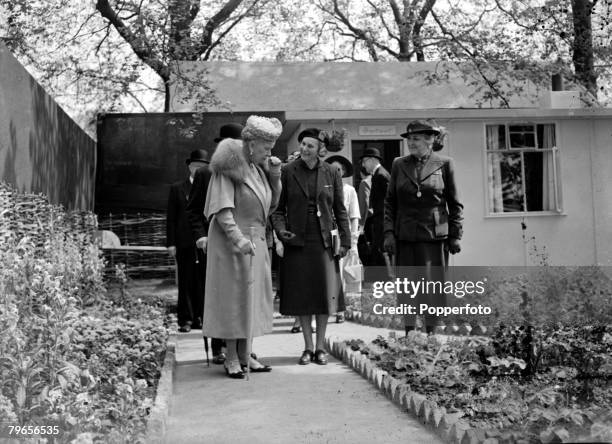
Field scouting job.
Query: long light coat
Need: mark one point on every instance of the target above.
(239, 299)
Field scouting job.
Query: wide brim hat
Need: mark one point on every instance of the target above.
(421, 127)
(348, 166)
(229, 131)
(263, 128)
(371, 152)
(314, 133)
(198, 156)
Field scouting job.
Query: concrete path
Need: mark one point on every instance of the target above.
(291, 404)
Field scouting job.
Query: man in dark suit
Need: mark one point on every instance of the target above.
(199, 223)
(374, 226)
(190, 261)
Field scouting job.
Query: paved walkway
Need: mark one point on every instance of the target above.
(292, 404)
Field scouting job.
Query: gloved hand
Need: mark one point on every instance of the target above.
(454, 246)
(202, 243)
(285, 235)
(280, 248)
(172, 251)
(246, 247)
(275, 165)
(389, 243)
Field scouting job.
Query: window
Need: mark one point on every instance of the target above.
(522, 168)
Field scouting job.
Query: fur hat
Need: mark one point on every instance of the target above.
(264, 128)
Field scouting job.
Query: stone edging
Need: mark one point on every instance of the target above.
(156, 424)
(397, 323)
(446, 425)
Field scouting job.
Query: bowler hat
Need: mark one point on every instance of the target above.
(229, 131)
(421, 127)
(198, 156)
(348, 166)
(315, 133)
(371, 152)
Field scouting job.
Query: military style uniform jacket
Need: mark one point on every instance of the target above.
(292, 211)
(425, 208)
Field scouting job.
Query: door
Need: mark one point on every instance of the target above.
(389, 150)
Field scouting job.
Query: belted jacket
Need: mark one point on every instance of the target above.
(423, 207)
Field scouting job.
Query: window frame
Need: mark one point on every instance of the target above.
(558, 205)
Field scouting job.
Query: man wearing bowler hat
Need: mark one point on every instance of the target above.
(199, 224)
(423, 213)
(373, 229)
(181, 244)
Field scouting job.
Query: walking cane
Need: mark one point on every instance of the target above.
(206, 351)
(250, 297)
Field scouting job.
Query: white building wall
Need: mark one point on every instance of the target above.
(580, 235)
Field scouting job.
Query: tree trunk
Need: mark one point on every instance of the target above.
(582, 45)
(166, 97)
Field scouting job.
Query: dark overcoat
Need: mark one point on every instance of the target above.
(378, 191)
(178, 230)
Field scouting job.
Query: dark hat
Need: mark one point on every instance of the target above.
(348, 166)
(198, 156)
(315, 133)
(229, 131)
(421, 127)
(371, 152)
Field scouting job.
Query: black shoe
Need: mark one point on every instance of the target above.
(256, 367)
(185, 328)
(306, 358)
(320, 357)
(296, 329)
(235, 373)
(218, 359)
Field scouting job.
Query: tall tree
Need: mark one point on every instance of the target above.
(164, 32)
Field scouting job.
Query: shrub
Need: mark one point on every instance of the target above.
(70, 356)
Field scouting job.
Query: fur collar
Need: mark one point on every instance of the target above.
(229, 160)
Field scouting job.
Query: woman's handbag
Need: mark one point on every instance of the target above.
(352, 272)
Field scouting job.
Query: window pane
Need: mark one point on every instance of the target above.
(546, 136)
(496, 137)
(521, 128)
(522, 140)
(540, 181)
(505, 183)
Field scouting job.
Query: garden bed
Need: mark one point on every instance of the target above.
(80, 356)
(521, 385)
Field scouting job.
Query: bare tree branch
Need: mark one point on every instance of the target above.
(138, 42)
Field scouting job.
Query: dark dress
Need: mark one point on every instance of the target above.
(310, 274)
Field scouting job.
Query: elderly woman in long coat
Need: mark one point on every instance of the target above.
(244, 189)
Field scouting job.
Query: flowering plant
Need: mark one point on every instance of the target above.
(336, 139)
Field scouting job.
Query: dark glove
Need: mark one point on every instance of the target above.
(389, 244)
(453, 246)
(285, 236)
(343, 252)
